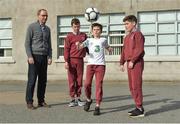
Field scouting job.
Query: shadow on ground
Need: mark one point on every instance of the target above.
(173, 105)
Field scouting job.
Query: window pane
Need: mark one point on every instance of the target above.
(5, 23)
(61, 51)
(178, 38)
(148, 28)
(5, 43)
(166, 16)
(115, 40)
(150, 40)
(8, 52)
(85, 28)
(178, 15)
(166, 39)
(105, 29)
(116, 27)
(116, 50)
(147, 17)
(103, 19)
(65, 21)
(112, 24)
(166, 28)
(178, 27)
(65, 29)
(163, 34)
(5, 34)
(167, 50)
(5, 37)
(1, 52)
(150, 50)
(61, 41)
(178, 50)
(116, 19)
(82, 20)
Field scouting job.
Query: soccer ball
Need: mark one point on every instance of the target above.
(92, 14)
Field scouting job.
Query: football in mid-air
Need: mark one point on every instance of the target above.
(91, 14)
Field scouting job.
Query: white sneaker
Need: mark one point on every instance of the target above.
(73, 103)
(80, 103)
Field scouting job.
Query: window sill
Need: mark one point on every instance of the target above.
(7, 60)
(162, 58)
(108, 59)
(116, 58)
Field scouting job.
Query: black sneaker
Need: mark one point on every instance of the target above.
(87, 105)
(130, 112)
(97, 111)
(137, 113)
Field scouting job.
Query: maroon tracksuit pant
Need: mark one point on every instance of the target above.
(99, 71)
(75, 76)
(135, 82)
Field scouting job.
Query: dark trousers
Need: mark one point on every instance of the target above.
(38, 69)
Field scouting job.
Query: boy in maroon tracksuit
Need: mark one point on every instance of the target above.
(96, 65)
(132, 53)
(74, 62)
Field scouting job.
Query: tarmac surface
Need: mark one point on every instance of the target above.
(161, 103)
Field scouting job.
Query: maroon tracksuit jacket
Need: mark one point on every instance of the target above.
(74, 57)
(133, 50)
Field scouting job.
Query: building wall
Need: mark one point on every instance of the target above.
(23, 12)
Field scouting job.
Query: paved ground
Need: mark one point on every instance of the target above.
(161, 103)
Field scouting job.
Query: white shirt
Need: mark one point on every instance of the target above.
(96, 50)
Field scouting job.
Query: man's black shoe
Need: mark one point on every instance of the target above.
(43, 104)
(30, 106)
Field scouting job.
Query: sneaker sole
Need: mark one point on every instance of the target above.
(139, 116)
(80, 105)
(129, 113)
(72, 105)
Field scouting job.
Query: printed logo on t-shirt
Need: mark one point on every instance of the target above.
(97, 48)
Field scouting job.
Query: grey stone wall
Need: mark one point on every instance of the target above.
(23, 12)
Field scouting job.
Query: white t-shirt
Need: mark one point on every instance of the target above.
(96, 50)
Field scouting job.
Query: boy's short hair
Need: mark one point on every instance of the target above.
(130, 18)
(75, 21)
(97, 25)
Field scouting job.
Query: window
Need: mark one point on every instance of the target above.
(113, 30)
(161, 31)
(5, 38)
